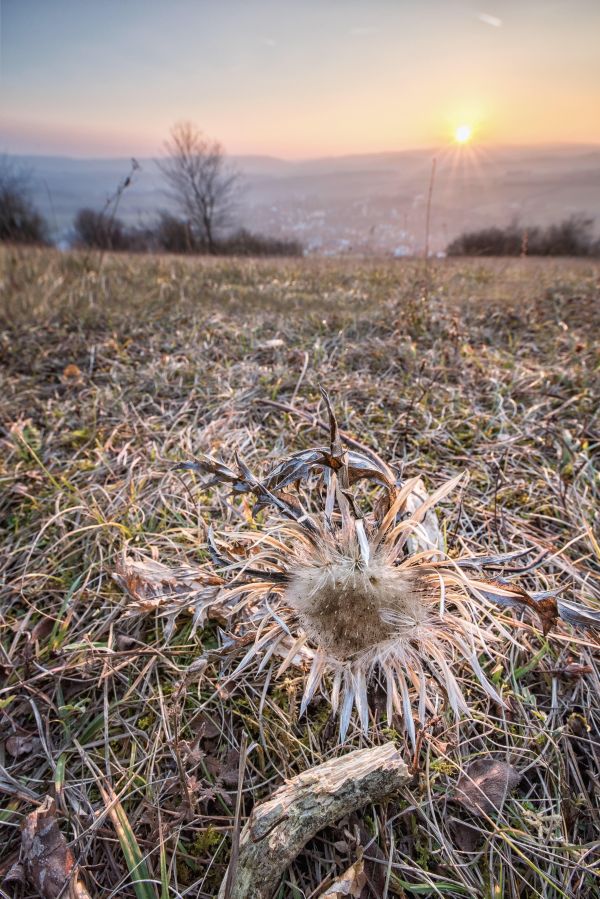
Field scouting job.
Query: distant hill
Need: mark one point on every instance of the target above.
(373, 202)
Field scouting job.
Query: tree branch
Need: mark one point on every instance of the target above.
(278, 829)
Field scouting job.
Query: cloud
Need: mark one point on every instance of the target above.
(494, 21)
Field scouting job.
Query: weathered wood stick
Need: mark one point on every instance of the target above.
(277, 830)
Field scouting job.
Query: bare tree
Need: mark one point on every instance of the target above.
(200, 182)
(20, 222)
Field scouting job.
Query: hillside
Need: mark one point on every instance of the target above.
(354, 203)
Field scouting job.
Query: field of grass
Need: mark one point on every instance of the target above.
(113, 370)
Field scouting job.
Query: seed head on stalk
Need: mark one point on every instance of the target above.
(369, 596)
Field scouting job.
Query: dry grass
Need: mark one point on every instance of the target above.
(109, 377)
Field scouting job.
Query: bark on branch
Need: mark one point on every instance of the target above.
(278, 829)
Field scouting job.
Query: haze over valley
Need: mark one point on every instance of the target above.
(354, 203)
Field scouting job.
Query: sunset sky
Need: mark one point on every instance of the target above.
(310, 78)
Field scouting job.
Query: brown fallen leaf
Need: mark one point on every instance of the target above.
(514, 596)
(22, 744)
(466, 837)
(485, 784)
(49, 863)
(72, 373)
(224, 770)
(376, 862)
(340, 846)
(15, 875)
(42, 629)
(350, 883)
(206, 728)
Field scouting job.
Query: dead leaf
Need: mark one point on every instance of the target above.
(229, 768)
(42, 629)
(207, 729)
(22, 744)
(466, 837)
(377, 861)
(153, 586)
(72, 373)
(16, 874)
(340, 846)
(125, 643)
(49, 863)
(485, 784)
(191, 753)
(512, 595)
(351, 883)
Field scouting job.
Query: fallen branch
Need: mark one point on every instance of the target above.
(278, 829)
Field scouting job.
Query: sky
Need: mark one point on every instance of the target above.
(304, 79)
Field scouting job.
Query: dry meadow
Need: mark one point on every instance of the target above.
(115, 369)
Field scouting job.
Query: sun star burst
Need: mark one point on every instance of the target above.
(463, 134)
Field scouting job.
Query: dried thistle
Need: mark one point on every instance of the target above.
(154, 587)
(367, 595)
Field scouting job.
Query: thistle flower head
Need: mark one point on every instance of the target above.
(351, 609)
(366, 596)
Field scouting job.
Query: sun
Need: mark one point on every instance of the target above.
(463, 134)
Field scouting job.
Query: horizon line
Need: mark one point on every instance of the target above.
(433, 150)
